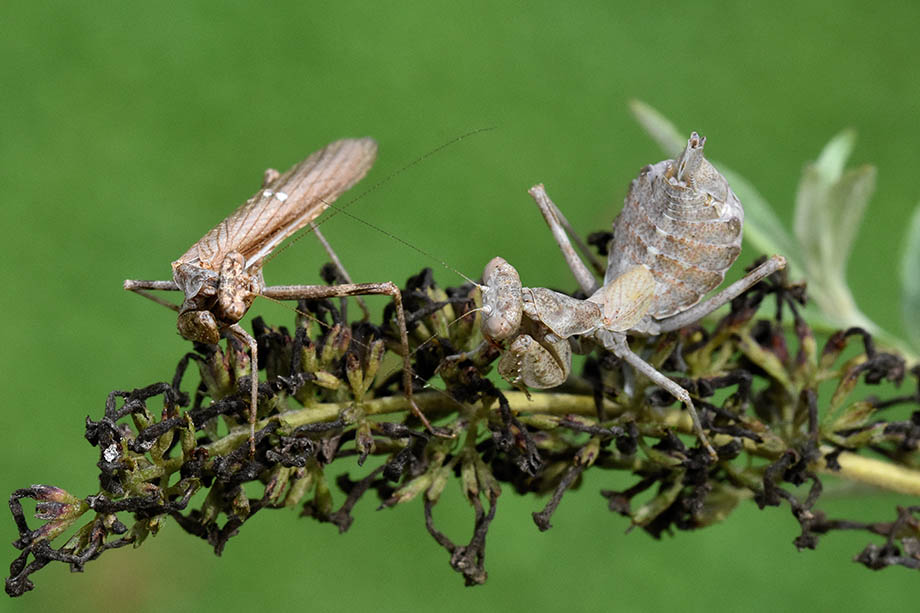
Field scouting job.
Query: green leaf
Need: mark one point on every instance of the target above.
(662, 131)
(910, 280)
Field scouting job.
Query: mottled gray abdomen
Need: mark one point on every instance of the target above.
(681, 220)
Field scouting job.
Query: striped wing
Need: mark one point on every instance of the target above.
(285, 205)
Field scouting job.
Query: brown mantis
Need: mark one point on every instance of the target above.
(678, 233)
(221, 274)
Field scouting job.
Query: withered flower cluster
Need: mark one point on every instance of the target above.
(754, 380)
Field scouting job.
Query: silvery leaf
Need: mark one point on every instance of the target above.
(834, 156)
(810, 223)
(846, 205)
(815, 209)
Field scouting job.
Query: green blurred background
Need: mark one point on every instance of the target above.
(129, 128)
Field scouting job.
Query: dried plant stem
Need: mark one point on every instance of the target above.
(853, 467)
(430, 402)
(883, 475)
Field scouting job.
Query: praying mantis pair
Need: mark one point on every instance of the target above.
(679, 232)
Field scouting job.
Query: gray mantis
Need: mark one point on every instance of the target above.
(678, 233)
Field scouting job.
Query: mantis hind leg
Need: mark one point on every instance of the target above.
(310, 292)
(702, 309)
(247, 338)
(617, 344)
